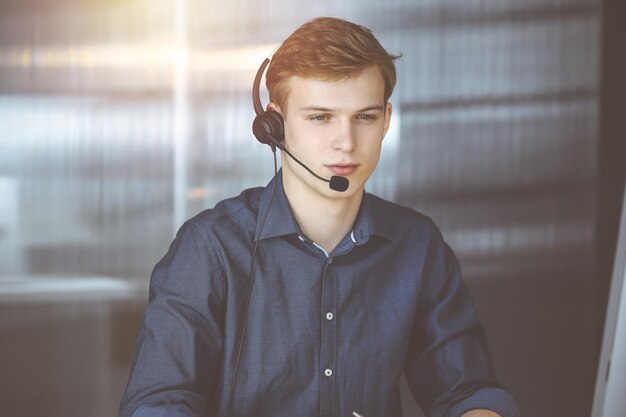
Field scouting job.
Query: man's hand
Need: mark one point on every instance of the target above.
(481, 413)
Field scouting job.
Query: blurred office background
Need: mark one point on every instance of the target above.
(119, 119)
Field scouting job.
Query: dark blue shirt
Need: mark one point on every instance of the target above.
(327, 335)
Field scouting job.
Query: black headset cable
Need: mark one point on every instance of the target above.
(250, 285)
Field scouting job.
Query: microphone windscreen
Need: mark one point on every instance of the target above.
(339, 183)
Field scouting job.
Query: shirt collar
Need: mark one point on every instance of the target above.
(373, 219)
(280, 220)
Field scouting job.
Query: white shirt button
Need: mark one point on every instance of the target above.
(328, 372)
(329, 316)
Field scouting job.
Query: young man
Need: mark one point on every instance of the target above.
(299, 300)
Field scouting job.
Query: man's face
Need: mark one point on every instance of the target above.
(335, 128)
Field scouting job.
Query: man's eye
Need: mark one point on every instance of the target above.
(366, 116)
(318, 117)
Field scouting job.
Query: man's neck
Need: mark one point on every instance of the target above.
(324, 220)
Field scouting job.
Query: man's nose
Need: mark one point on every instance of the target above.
(344, 139)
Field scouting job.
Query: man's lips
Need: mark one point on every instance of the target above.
(342, 169)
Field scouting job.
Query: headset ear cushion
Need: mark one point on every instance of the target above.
(270, 123)
(278, 124)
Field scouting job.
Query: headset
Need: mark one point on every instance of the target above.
(268, 127)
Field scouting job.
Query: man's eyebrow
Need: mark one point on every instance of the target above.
(317, 108)
(329, 110)
(370, 108)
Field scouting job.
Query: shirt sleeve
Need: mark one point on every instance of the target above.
(448, 367)
(180, 340)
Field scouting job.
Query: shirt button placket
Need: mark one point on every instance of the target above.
(329, 341)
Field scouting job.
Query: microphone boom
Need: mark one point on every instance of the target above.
(335, 183)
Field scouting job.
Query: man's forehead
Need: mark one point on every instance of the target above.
(365, 89)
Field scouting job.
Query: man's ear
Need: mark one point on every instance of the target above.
(387, 116)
